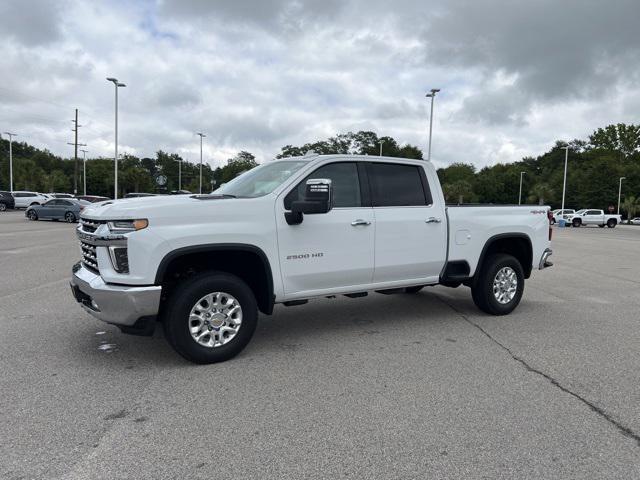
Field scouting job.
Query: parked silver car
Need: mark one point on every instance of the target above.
(57, 209)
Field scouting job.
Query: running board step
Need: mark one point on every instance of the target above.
(391, 291)
(356, 295)
(293, 303)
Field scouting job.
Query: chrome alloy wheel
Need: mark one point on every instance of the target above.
(505, 285)
(215, 319)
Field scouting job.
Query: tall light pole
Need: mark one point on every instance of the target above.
(520, 194)
(117, 85)
(620, 194)
(381, 142)
(180, 174)
(84, 170)
(564, 182)
(431, 95)
(11, 135)
(202, 135)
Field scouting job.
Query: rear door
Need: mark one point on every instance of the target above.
(333, 250)
(48, 209)
(411, 235)
(593, 217)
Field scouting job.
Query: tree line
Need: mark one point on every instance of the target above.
(595, 166)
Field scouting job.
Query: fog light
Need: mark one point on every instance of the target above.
(119, 259)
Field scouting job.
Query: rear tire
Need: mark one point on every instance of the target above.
(499, 285)
(178, 323)
(69, 217)
(611, 223)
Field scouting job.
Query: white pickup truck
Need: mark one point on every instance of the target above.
(291, 230)
(593, 217)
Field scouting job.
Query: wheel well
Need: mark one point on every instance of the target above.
(518, 246)
(250, 264)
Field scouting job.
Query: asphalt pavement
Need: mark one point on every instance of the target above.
(400, 386)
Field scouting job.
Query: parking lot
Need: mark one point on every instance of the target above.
(399, 386)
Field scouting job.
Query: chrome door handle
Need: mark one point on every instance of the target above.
(359, 222)
(432, 220)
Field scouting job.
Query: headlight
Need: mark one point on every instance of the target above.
(124, 226)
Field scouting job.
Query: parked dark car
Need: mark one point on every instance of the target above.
(92, 198)
(6, 201)
(66, 209)
(140, 194)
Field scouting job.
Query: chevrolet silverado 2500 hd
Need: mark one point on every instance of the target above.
(291, 230)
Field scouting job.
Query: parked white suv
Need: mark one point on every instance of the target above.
(559, 214)
(289, 231)
(25, 199)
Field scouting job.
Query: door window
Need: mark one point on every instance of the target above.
(396, 185)
(344, 179)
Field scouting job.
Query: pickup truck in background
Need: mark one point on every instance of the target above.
(593, 217)
(291, 230)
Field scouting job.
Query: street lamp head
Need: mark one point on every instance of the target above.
(111, 79)
(429, 95)
(435, 90)
(120, 84)
(623, 178)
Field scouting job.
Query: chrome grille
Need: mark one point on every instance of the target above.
(89, 257)
(90, 226)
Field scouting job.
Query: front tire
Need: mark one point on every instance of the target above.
(32, 215)
(576, 222)
(499, 285)
(211, 317)
(3, 207)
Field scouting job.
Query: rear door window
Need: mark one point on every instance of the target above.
(397, 185)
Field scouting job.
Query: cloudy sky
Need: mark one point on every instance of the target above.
(256, 75)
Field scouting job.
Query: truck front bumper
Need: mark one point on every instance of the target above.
(115, 304)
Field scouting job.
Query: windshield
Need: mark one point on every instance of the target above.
(581, 211)
(262, 179)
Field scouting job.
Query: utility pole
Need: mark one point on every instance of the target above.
(381, 142)
(202, 135)
(117, 84)
(75, 153)
(564, 182)
(84, 170)
(180, 174)
(520, 194)
(11, 135)
(619, 195)
(431, 95)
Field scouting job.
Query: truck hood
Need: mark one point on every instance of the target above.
(158, 207)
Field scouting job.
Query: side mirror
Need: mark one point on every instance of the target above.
(318, 199)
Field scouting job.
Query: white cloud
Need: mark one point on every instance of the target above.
(258, 75)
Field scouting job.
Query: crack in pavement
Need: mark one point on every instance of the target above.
(626, 431)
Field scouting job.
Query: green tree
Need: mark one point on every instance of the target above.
(621, 137)
(457, 191)
(630, 205)
(540, 192)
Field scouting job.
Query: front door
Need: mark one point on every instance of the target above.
(330, 251)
